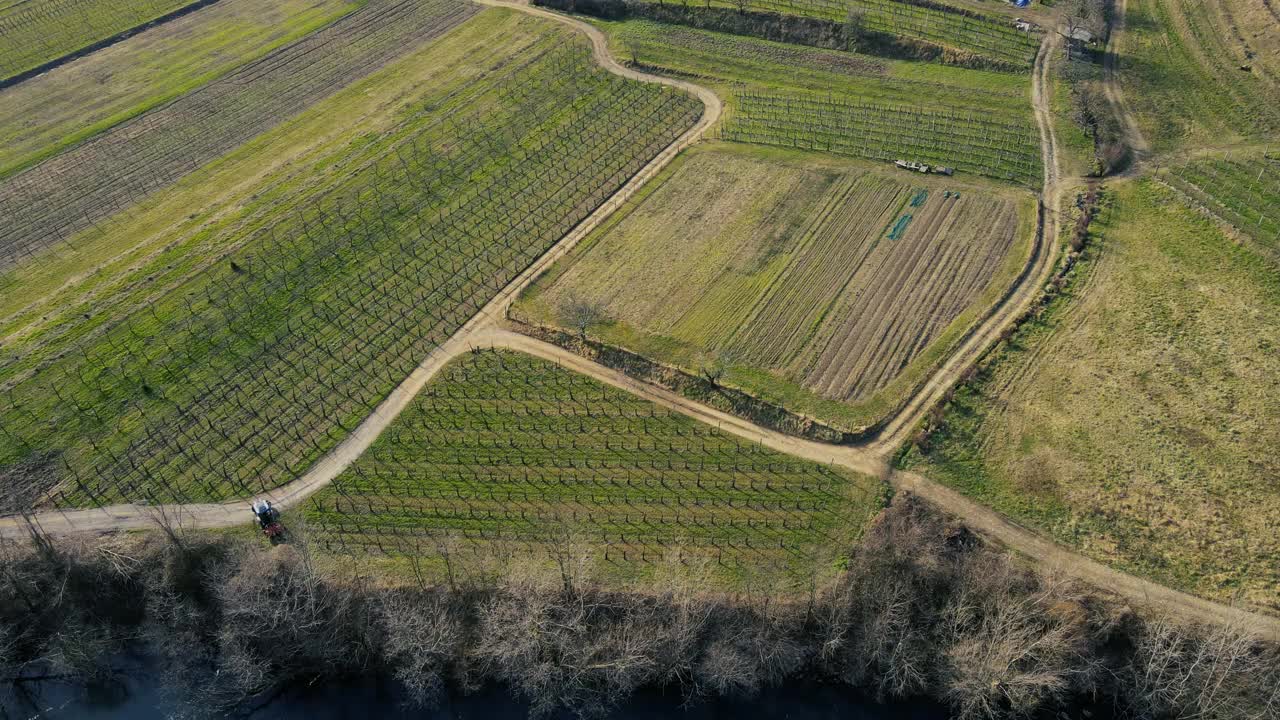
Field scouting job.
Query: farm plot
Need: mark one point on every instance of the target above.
(46, 114)
(1136, 419)
(850, 104)
(106, 175)
(965, 140)
(504, 449)
(1192, 78)
(34, 32)
(987, 36)
(236, 379)
(795, 276)
(737, 59)
(220, 209)
(1242, 190)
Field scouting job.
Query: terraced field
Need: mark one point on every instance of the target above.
(965, 33)
(977, 122)
(1135, 420)
(723, 59)
(1193, 76)
(798, 276)
(44, 115)
(34, 32)
(502, 449)
(1243, 189)
(66, 194)
(232, 376)
(966, 141)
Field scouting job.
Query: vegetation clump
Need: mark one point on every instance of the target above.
(922, 609)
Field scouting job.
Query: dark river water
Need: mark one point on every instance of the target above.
(137, 698)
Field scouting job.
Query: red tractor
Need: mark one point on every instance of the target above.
(269, 520)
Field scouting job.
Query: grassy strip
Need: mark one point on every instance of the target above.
(46, 115)
(33, 34)
(1184, 78)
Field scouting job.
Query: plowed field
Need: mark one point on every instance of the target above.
(801, 278)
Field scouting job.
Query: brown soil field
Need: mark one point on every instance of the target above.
(794, 275)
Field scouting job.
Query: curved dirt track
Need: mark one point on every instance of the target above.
(235, 512)
(1115, 95)
(1034, 275)
(484, 331)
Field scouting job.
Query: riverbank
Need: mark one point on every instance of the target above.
(920, 609)
(135, 698)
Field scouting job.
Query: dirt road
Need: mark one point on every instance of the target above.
(484, 331)
(1025, 290)
(1136, 141)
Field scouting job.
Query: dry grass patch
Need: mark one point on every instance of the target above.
(1138, 421)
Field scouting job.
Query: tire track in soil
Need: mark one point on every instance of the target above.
(484, 330)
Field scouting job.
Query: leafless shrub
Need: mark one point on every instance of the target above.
(748, 648)
(1180, 671)
(582, 651)
(424, 636)
(875, 628)
(184, 613)
(1010, 644)
(562, 643)
(281, 620)
(66, 607)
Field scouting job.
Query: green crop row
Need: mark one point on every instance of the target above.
(503, 447)
(35, 33)
(1242, 191)
(965, 141)
(240, 377)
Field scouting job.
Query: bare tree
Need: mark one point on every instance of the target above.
(1005, 650)
(424, 634)
(715, 367)
(1181, 671)
(281, 620)
(581, 314)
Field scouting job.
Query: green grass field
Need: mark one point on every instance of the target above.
(1136, 420)
(1182, 74)
(976, 121)
(807, 279)
(502, 449)
(1242, 188)
(37, 31)
(237, 352)
(45, 114)
(964, 32)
